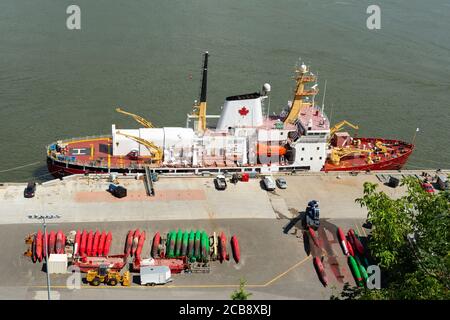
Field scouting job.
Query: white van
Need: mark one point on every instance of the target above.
(269, 183)
(153, 275)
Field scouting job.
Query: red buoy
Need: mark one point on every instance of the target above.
(313, 236)
(135, 242)
(59, 242)
(155, 245)
(90, 240)
(140, 245)
(128, 243)
(350, 248)
(223, 247)
(45, 238)
(33, 250)
(101, 243)
(355, 242)
(342, 241)
(107, 246)
(76, 244)
(83, 243)
(95, 243)
(51, 242)
(235, 248)
(39, 245)
(320, 271)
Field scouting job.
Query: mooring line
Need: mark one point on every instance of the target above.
(20, 167)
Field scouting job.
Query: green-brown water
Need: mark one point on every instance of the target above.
(146, 56)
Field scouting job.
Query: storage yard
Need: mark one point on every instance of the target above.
(276, 257)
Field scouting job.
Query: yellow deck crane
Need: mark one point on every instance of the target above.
(338, 153)
(200, 107)
(337, 127)
(155, 151)
(139, 119)
(299, 102)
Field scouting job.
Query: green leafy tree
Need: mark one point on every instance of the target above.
(241, 294)
(410, 241)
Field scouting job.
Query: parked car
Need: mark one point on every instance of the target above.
(30, 190)
(153, 275)
(117, 191)
(281, 183)
(427, 187)
(220, 182)
(269, 183)
(442, 182)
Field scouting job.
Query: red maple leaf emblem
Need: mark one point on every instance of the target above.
(243, 111)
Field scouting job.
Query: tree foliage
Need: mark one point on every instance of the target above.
(410, 241)
(241, 294)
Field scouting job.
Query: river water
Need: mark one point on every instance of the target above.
(146, 57)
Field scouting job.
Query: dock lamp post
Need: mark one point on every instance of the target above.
(43, 219)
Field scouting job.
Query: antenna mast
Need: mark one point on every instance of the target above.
(324, 93)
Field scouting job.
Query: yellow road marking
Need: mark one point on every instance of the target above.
(288, 270)
(268, 283)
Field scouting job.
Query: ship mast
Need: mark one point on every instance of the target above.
(303, 77)
(200, 108)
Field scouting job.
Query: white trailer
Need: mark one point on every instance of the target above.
(153, 275)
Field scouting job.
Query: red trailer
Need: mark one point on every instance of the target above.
(115, 262)
(176, 265)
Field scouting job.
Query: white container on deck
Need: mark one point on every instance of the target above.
(57, 263)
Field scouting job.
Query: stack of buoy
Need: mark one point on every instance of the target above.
(92, 244)
(317, 261)
(44, 244)
(353, 248)
(196, 245)
(134, 243)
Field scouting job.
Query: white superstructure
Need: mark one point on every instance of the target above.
(245, 135)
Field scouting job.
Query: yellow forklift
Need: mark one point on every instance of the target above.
(104, 275)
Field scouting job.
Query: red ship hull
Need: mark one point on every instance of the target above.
(387, 162)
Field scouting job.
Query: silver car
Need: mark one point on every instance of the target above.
(281, 183)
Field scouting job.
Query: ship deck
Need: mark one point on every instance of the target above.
(395, 158)
(97, 152)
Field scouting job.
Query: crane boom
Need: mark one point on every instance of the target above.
(139, 119)
(338, 153)
(340, 125)
(154, 150)
(299, 102)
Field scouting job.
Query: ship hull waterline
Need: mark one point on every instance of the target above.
(60, 169)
